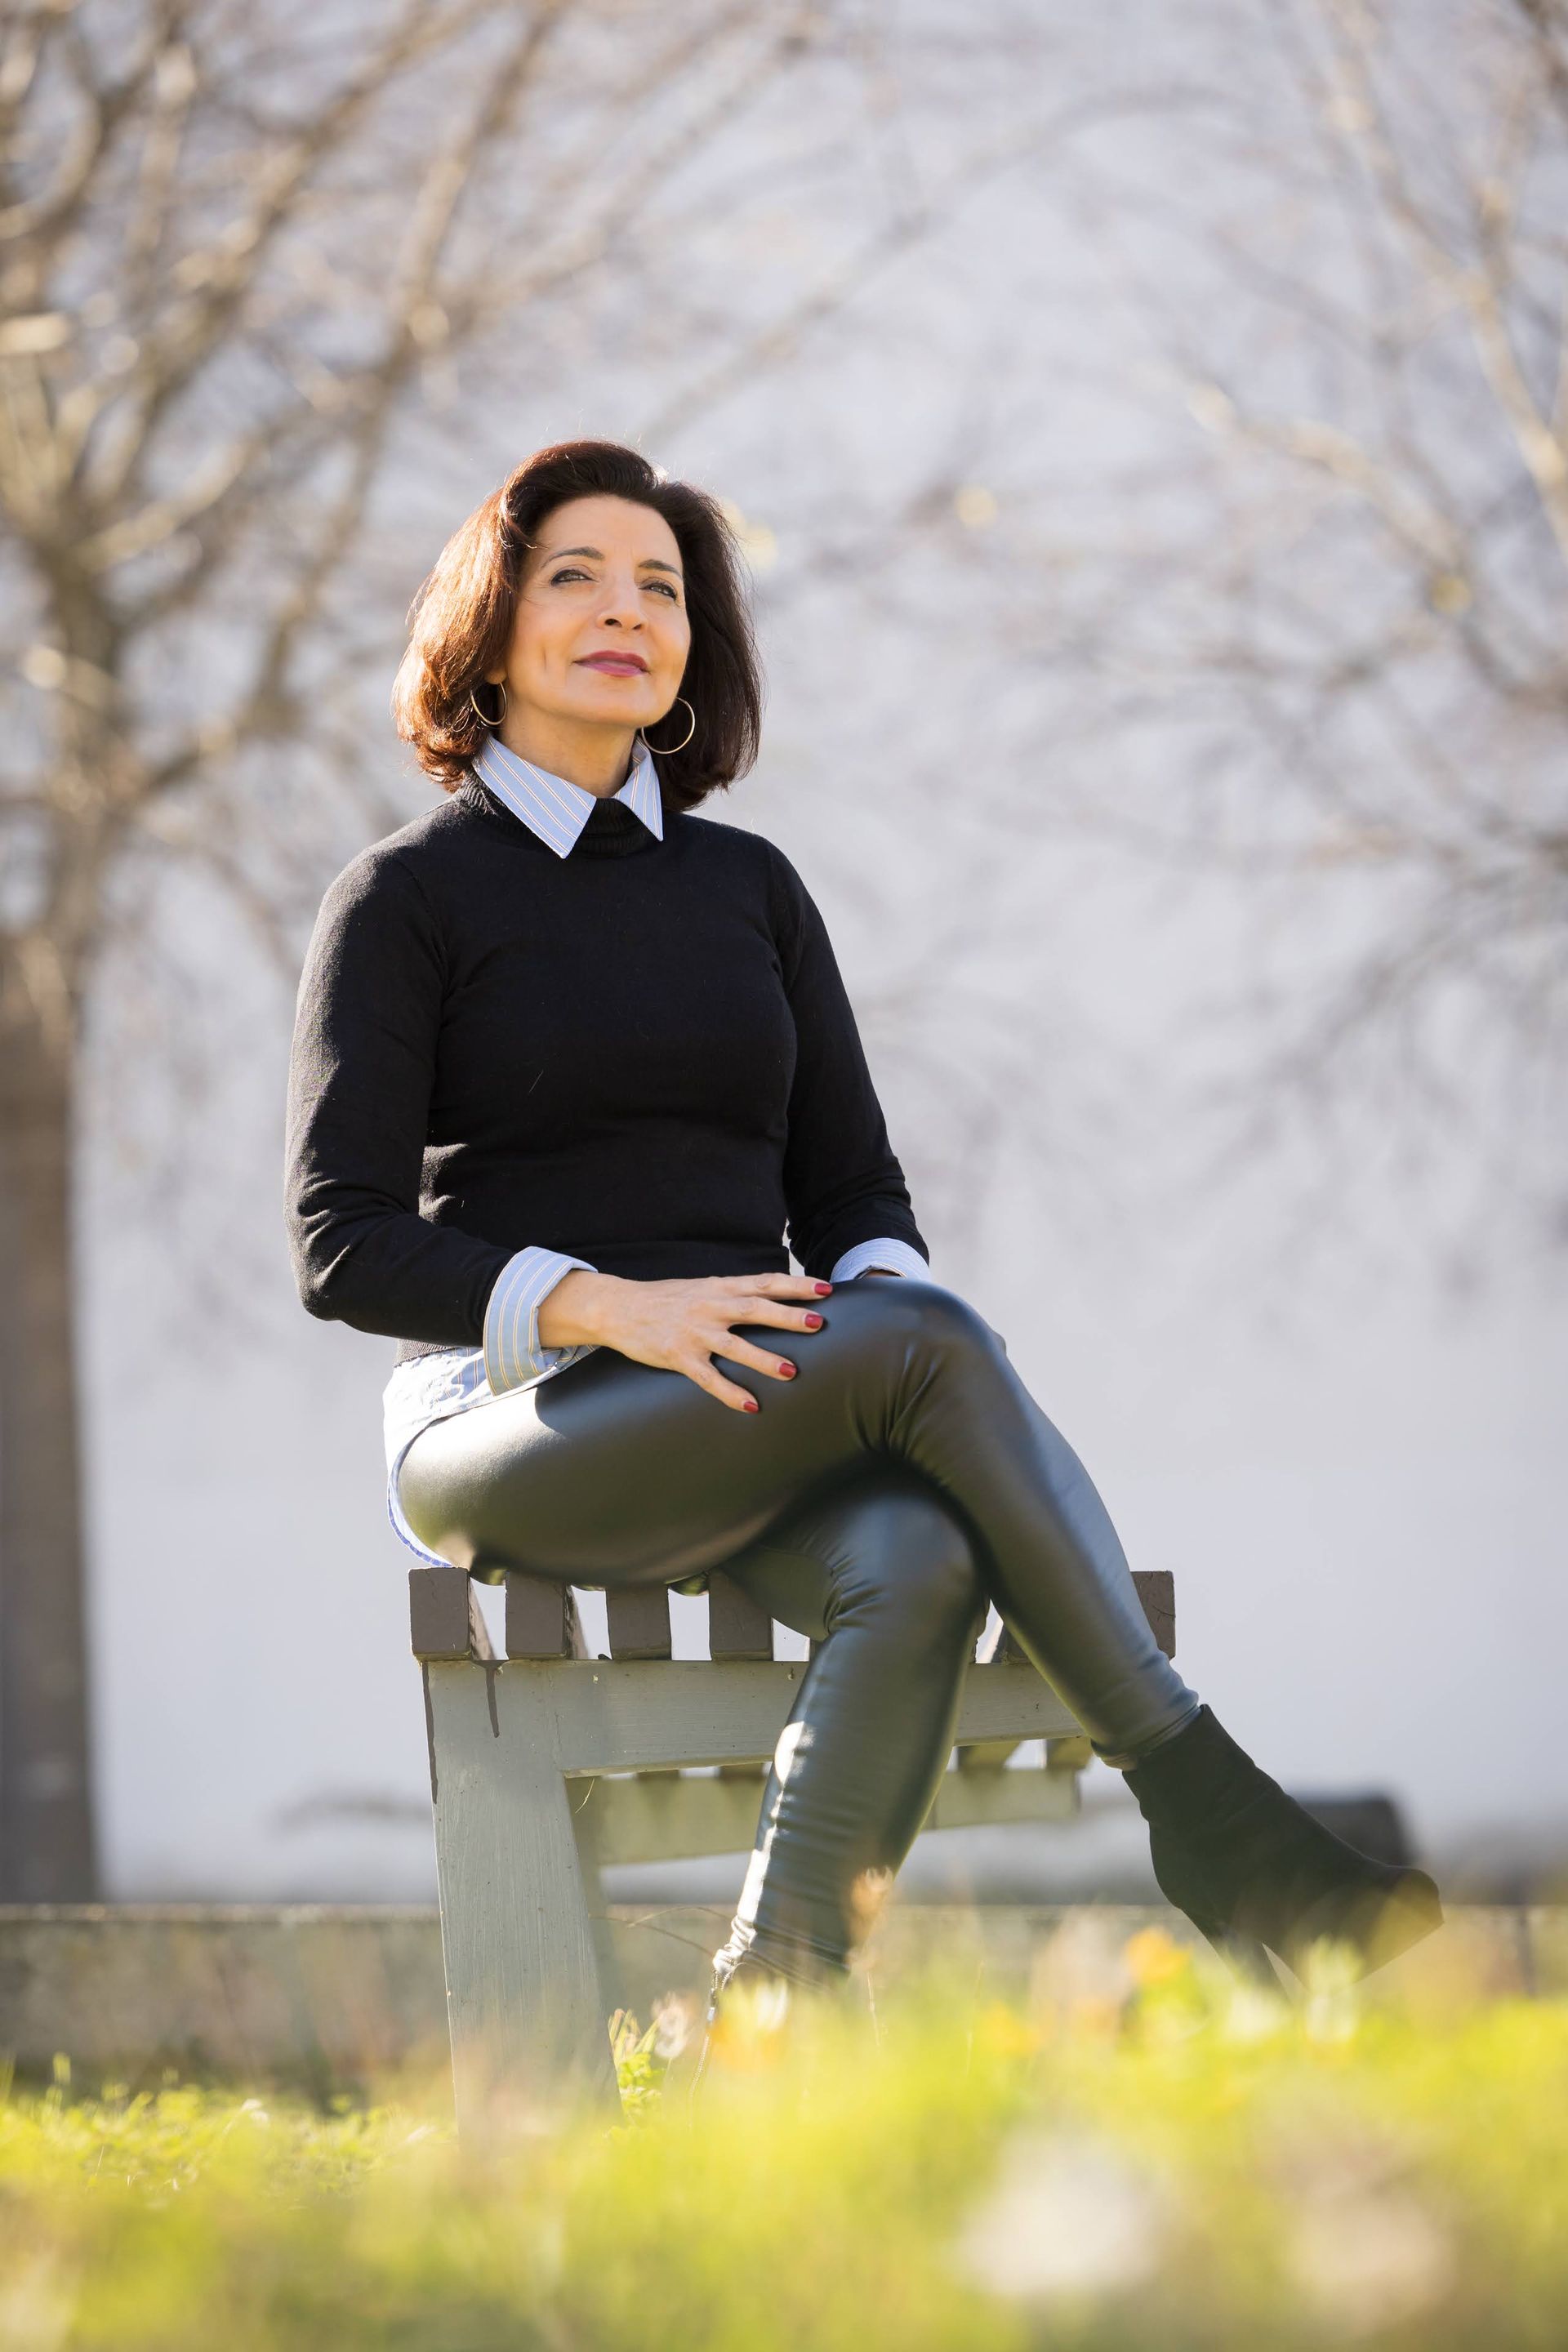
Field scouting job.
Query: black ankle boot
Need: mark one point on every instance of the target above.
(1251, 1867)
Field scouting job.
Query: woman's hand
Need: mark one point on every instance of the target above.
(681, 1326)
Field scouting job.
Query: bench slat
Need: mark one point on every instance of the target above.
(636, 1715)
(541, 1619)
(667, 1816)
(444, 1620)
(639, 1623)
(738, 1626)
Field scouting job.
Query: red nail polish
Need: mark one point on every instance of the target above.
(822, 1288)
(787, 1370)
(814, 1322)
(752, 1405)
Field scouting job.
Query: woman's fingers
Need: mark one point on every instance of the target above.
(785, 1315)
(788, 1301)
(776, 1303)
(760, 1360)
(729, 1392)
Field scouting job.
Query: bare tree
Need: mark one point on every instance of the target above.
(243, 248)
(1331, 648)
(234, 244)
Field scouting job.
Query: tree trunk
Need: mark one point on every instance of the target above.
(47, 1848)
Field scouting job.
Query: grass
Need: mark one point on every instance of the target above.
(1174, 2162)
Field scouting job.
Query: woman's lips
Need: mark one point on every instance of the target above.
(617, 665)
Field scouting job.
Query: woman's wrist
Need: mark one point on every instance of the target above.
(574, 1313)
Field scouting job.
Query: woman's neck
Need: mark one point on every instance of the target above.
(599, 758)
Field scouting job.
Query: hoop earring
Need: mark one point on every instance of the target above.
(664, 750)
(479, 715)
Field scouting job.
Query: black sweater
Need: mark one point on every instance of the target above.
(641, 1053)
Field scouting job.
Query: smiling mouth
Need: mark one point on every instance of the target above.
(615, 663)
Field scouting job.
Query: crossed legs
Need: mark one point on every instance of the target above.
(901, 1480)
(882, 1576)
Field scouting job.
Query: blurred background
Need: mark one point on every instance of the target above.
(1147, 430)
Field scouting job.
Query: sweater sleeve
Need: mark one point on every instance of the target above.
(361, 1069)
(843, 1183)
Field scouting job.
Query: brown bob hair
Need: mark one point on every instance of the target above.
(462, 620)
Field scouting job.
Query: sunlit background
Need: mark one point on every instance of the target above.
(1146, 431)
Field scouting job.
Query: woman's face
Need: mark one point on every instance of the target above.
(601, 631)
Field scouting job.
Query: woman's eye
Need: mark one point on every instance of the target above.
(576, 572)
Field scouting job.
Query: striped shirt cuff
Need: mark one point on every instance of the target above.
(897, 1258)
(512, 1352)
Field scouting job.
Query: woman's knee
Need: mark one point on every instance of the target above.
(909, 1557)
(955, 1325)
(928, 1316)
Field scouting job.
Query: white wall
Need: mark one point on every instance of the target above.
(1361, 1495)
(1357, 1479)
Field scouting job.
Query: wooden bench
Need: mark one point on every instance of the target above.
(551, 1763)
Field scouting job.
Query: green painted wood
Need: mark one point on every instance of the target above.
(617, 1715)
(676, 1818)
(988, 1799)
(522, 1991)
(525, 1822)
(584, 1798)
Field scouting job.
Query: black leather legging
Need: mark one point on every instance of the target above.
(880, 1499)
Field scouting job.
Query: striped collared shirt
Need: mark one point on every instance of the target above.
(452, 1379)
(557, 811)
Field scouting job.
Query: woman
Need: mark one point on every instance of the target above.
(568, 1062)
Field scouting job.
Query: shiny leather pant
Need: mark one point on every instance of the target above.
(903, 1479)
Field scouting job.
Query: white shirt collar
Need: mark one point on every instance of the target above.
(552, 808)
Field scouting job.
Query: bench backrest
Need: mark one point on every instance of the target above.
(542, 1620)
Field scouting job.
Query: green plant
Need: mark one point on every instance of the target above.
(1156, 2155)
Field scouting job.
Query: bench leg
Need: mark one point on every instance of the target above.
(523, 1998)
(586, 1801)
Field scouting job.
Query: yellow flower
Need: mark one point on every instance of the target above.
(1003, 2031)
(1155, 1957)
(753, 2025)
